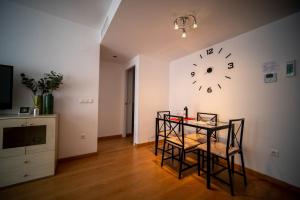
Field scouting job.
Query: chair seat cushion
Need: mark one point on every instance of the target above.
(218, 149)
(202, 138)
(162, 133)
(188, 143)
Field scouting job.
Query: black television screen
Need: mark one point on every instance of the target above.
(6, 85)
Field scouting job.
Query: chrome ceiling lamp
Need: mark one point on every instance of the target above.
(185, 22)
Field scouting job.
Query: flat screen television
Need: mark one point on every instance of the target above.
(6, 85)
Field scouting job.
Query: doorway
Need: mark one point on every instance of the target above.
(129, 103)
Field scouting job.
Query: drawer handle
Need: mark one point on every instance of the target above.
(23, 125)
(26, 161)
(31, 124)
(25, 175)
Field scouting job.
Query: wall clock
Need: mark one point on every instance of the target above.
(214, 67)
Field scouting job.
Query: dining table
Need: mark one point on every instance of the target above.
(210, 129)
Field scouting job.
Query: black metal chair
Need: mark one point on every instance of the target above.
(199, 135)
(159, 128)
(176, 138)
(226, 151)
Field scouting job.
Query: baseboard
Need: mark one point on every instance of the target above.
(60, 160)
(266, 178)
(109, 137)
(272, 180)
(145, 144)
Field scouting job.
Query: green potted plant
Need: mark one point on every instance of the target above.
(48, 84)
(34, 87)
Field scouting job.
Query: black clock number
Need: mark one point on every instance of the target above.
(209, 90)
(220, 50)
(192, 74)
(228, 55)
(209, 51)
(230, 65)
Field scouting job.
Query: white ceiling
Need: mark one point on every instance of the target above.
(90, 13)
(146, 26)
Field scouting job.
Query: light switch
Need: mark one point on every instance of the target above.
(270, 77)
(291, 68)
(88, 100)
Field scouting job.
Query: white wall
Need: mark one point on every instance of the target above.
(35, 43)
(111, 99)
(153, 95)
(271, 110)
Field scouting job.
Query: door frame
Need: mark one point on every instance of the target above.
(135, 109)
(127, 71)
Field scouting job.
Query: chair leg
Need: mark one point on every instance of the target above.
(163, 153)
(198, 161)
(232, 164)
(243, 168)
(156, 143)
(156, 135)
(172, 152)
(213, 163)
(180, 163)
(202, 159)
(230, 177)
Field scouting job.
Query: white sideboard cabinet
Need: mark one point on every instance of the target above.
(28, 148)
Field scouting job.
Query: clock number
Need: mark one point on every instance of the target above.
(228, 55)
(195, 64)
(220, 50)
(192, 74)
(228, 77)
(220, 86)
(209, 51)
(209, 90)
(200, 87)
(230, 65)
(201, 56)
(194, 82)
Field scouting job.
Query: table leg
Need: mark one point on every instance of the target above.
(209, 132)
(156, 135)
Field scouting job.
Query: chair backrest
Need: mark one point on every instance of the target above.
(160, 114)
(235, 134)
(175, 124)
(207, 117)
(160, 120)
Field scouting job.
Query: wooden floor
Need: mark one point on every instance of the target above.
(121, 171)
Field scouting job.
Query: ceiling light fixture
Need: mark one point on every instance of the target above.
(183, 35)
(184, 22)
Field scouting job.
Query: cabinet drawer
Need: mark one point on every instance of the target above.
(5, 153)
(12, 177)
(11, 164)
(28, 167)
(42, 158)
(34, 172)
(25, 174)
